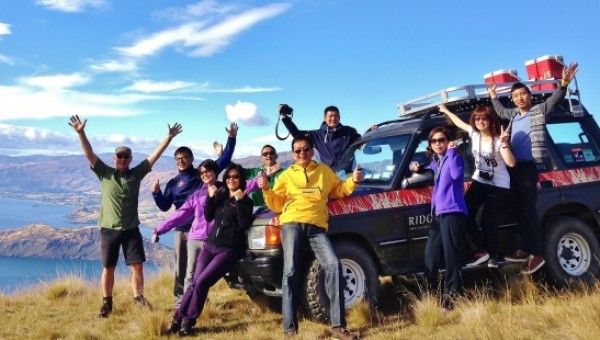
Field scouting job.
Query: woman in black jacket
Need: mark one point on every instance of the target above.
(231, 209)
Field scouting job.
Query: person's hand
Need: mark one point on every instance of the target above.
(263, 181)
(569, 72)
(212, 189)
(175, 130)
(452, 144)
(491, 88)
(504, 135)
(415, 167)
(76, 124)
(239, 194)
(285, 109)
(233, 129)
(443, 109)
(154, 238)
(357, 174)
(156, 187)
(218, 148)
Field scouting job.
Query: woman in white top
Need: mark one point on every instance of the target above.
(490, 188)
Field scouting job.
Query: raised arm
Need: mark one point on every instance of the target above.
(155, 155)
(286, 117)
(225, 158)
(79, 127)
(454, 118)
(498, 107)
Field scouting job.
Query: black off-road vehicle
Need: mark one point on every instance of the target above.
(381, 230)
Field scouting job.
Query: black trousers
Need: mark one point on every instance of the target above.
(523, 185)
(494, 202)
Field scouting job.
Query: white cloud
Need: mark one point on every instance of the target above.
(56, 82)
(71, 6)
(201, 39)
(245, 112)
(154, 86)
(4, 29)
(115, 66)
(6, 60)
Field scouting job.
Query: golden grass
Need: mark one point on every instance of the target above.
(520, 309)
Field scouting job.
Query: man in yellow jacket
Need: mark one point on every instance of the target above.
(300, 194)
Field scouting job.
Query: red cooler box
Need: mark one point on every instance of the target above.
(544, 68)
(501, 76)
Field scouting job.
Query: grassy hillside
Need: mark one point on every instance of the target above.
(67, 309)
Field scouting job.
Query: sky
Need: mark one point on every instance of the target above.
(132, 67)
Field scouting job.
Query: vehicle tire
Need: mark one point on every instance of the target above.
(361, 281)
(266, 303)
(571, 252)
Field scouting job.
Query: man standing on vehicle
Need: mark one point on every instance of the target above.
(331, 139)
(119, 221)
(528, 144)
(300, 194)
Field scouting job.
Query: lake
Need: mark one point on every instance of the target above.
(16, 273)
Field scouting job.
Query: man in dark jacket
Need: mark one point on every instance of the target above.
(331, 139)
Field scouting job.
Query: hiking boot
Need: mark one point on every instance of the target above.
(186, 328)
(141, 301)
(290, 335)
(341, 333)
(492, 262)
(479, 258)
(105, 310)
(518, 256)
(175, 327)
(532, 265)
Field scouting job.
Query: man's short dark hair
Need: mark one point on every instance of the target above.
(184, 150)
(268, 146)
(331, 108)
(301, 137)
(519, 85)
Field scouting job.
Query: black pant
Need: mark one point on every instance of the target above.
(493, 201)
(523, 185)
(445, 243)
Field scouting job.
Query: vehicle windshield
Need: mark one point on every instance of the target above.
(378, 159)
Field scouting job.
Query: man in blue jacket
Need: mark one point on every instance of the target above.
(177, 191)
(331, 139)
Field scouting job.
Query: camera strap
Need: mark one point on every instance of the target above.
(277, 128)
(481, 151)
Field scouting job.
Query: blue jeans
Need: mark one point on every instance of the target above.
(293, 239)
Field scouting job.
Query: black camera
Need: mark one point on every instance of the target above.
(285, 110)
(486, 175)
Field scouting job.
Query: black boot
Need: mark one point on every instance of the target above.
(106, 308)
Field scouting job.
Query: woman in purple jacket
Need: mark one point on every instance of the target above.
(449, 212)
(193, 207)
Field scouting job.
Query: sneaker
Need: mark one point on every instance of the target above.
(479, 258)
(492, 262)
(186, 329)
(175, 327)
(532, 265)
(290, 335)
(141, 301)
(518, 256)
(341, 333)
(105, 310)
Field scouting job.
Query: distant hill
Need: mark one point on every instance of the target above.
(43, 241)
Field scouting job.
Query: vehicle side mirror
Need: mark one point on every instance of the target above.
(418, 179)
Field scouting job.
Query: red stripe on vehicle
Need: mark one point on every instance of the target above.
(570, 177)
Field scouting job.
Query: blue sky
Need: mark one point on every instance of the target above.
(131, 67)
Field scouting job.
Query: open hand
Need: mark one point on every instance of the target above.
(76, 124)
(175, 130)
(233, 129)
(570, 71)
(218, 148)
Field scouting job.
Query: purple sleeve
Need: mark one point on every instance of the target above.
(252, 185)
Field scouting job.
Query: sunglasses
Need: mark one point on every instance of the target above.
(122, 156)
(179, 159)
(305, 149)
(268, 153)
(232, 177)
(438, 140)
(481, 118)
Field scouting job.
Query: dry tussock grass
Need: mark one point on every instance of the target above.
(518, 309)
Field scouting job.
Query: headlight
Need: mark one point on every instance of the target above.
(262, 236)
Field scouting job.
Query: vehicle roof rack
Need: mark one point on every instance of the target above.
(420, 106)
